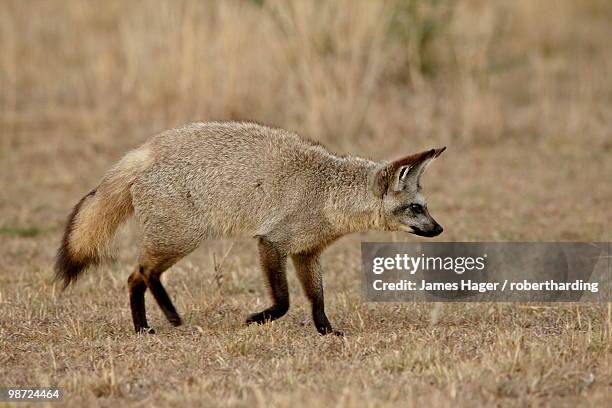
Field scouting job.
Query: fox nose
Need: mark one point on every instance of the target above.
(437, 230)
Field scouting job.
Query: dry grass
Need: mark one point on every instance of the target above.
(519, 90)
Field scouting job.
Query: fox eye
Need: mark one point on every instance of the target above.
(416, 208)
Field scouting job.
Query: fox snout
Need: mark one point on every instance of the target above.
(430, 232)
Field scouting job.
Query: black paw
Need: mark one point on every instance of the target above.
(259, 318)
(175, 321)
(271, 313)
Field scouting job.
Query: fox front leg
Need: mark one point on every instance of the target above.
(308, 270)
(273, 265)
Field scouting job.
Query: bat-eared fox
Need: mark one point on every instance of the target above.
(232, 179)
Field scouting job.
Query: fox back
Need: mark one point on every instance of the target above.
(242, 179)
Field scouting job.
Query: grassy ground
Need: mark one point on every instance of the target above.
(519, 91)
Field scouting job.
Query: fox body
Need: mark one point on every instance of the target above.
(234, 179)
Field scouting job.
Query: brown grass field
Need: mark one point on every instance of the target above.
(519, 90)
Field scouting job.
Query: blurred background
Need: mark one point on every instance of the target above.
(519, 90)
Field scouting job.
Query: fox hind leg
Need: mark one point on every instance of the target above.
(152, 271)
(273, 263)
(147, 276)
(137, 288)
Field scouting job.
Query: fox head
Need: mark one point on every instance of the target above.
(398, 185)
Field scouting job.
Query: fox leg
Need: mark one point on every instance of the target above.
(137, 288)
(147, 275)
(152, 273)
(273, 262)
(308, 270)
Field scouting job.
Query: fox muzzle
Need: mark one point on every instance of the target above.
(434, 231)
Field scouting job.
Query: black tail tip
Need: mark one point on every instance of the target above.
(67, 269)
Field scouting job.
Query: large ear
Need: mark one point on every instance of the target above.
(404, 172)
